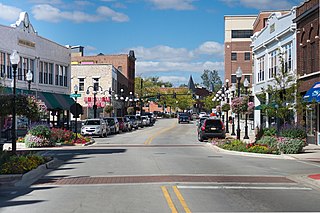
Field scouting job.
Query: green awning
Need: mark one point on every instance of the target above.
(53, 101)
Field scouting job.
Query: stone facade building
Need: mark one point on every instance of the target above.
(48, 61)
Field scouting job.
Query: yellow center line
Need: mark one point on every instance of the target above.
(181, 199)
(169, 200)
(150, 139)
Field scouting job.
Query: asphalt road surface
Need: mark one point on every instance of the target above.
(164, 169)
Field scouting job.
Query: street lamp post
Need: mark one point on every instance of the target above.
(14, 59)
(246, 85)
(238, 75)
(122, 102)
(233, 89)
(94, 92)
(29, 77)
(227, 100)
(75, 88)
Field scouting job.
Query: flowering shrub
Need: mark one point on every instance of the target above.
(239, 104)
(37, 141)
(290, 145)
(21, 164)
(236, 145)
(61, 135)
(250, 107)
(257, 148)
(269, 141)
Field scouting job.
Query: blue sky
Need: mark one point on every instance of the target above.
(172, 39)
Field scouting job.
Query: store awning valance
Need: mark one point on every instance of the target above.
(53, 101)
(313, 94)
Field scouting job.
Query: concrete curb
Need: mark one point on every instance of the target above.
(250, 154)
(25, 180)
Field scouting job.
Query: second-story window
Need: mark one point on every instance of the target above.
(45, 73)
(95, 84)
(81, 84)
(233, 56)
(51, 73)
(260, 76)
(2, 64)
(287, 57)
(40, 72)
(65, 76)
(272, 64)
(247, 56)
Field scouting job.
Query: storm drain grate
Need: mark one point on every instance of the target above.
(159, 179)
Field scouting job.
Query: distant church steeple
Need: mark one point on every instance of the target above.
(191, 84)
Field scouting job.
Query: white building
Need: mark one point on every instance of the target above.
(277, 37)
(48, 61)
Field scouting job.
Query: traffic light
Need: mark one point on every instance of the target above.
(174, 95)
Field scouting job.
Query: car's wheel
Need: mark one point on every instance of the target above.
(200, 138)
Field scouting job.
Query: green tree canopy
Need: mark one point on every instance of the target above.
(211, 80)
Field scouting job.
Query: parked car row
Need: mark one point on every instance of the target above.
(114, 125)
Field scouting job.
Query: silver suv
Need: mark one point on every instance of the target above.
(94, 127)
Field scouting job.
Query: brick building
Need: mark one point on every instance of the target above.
(308, 68)
(238, 30)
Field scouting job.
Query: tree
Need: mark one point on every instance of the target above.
(283, 97)
(208, 104)
(211, 80)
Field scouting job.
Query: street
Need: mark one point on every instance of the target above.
(164, 169)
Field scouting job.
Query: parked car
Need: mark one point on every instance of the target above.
(113, 124)
(139, 121)
(201, 114)
(211, 128)
(183, 118)
(195, 115)
(133, 121)
(94, 127)
(145, 120)
(151, 116)
(200, 121)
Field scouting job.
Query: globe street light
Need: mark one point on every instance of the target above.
(246, 85)
(14, 59)
(29, 77)
(238, 75)
(94, 92)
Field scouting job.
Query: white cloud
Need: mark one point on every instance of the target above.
(173, 79)
(165, 53)
(210, 48)
(49, 13)
(263, 4)
(172, 4)
(9, 13)
(154, 66)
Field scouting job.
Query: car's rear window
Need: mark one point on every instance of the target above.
(213, 123)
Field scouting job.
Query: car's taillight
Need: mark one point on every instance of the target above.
(222, 125)
(203, 126)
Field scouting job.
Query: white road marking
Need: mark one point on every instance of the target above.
(246, 187)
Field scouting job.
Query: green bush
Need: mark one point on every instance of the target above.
(235, 145)
(259, 149)
(272, 131)
(293, 132)
(40, 131)
(290, 145)
(21, 164)
(269, 141)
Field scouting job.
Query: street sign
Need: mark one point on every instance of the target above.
(75, 95)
